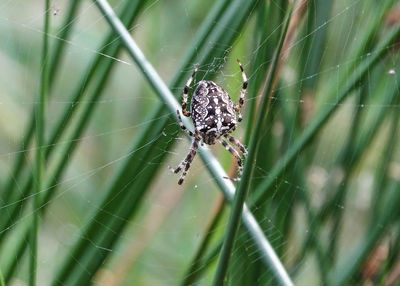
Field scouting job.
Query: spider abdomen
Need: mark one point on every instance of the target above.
(212, 111)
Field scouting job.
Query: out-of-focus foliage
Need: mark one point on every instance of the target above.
(325, 186)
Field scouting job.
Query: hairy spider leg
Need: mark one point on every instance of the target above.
(191, 155)
(242, 92)
(237, 143)
(236, 155)
(183, 126)
(185, 93)
(186, 162)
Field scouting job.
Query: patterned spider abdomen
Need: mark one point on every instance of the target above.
(212, 111)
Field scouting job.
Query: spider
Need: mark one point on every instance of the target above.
(214, 116)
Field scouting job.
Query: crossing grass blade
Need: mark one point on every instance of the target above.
(241, 192)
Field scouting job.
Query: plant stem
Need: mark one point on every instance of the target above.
(241, 192)
(40, 141)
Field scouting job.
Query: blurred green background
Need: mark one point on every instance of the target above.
(111, 211)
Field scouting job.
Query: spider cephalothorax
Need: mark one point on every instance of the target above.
(214, 116)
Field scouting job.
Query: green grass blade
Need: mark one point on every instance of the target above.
(262, 191)
(64, 34)
(204, 263)
(257, 72)
(40, 142)
(21, 245)
(241, 192)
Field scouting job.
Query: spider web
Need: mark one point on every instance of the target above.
(162, 238)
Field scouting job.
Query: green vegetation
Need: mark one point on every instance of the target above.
(88, 115)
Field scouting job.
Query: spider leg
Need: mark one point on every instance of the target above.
(183, 126)
(242, 93)
(186, 162)
(185, 93)
(237, 143)
(239, 113)
(237, 157)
